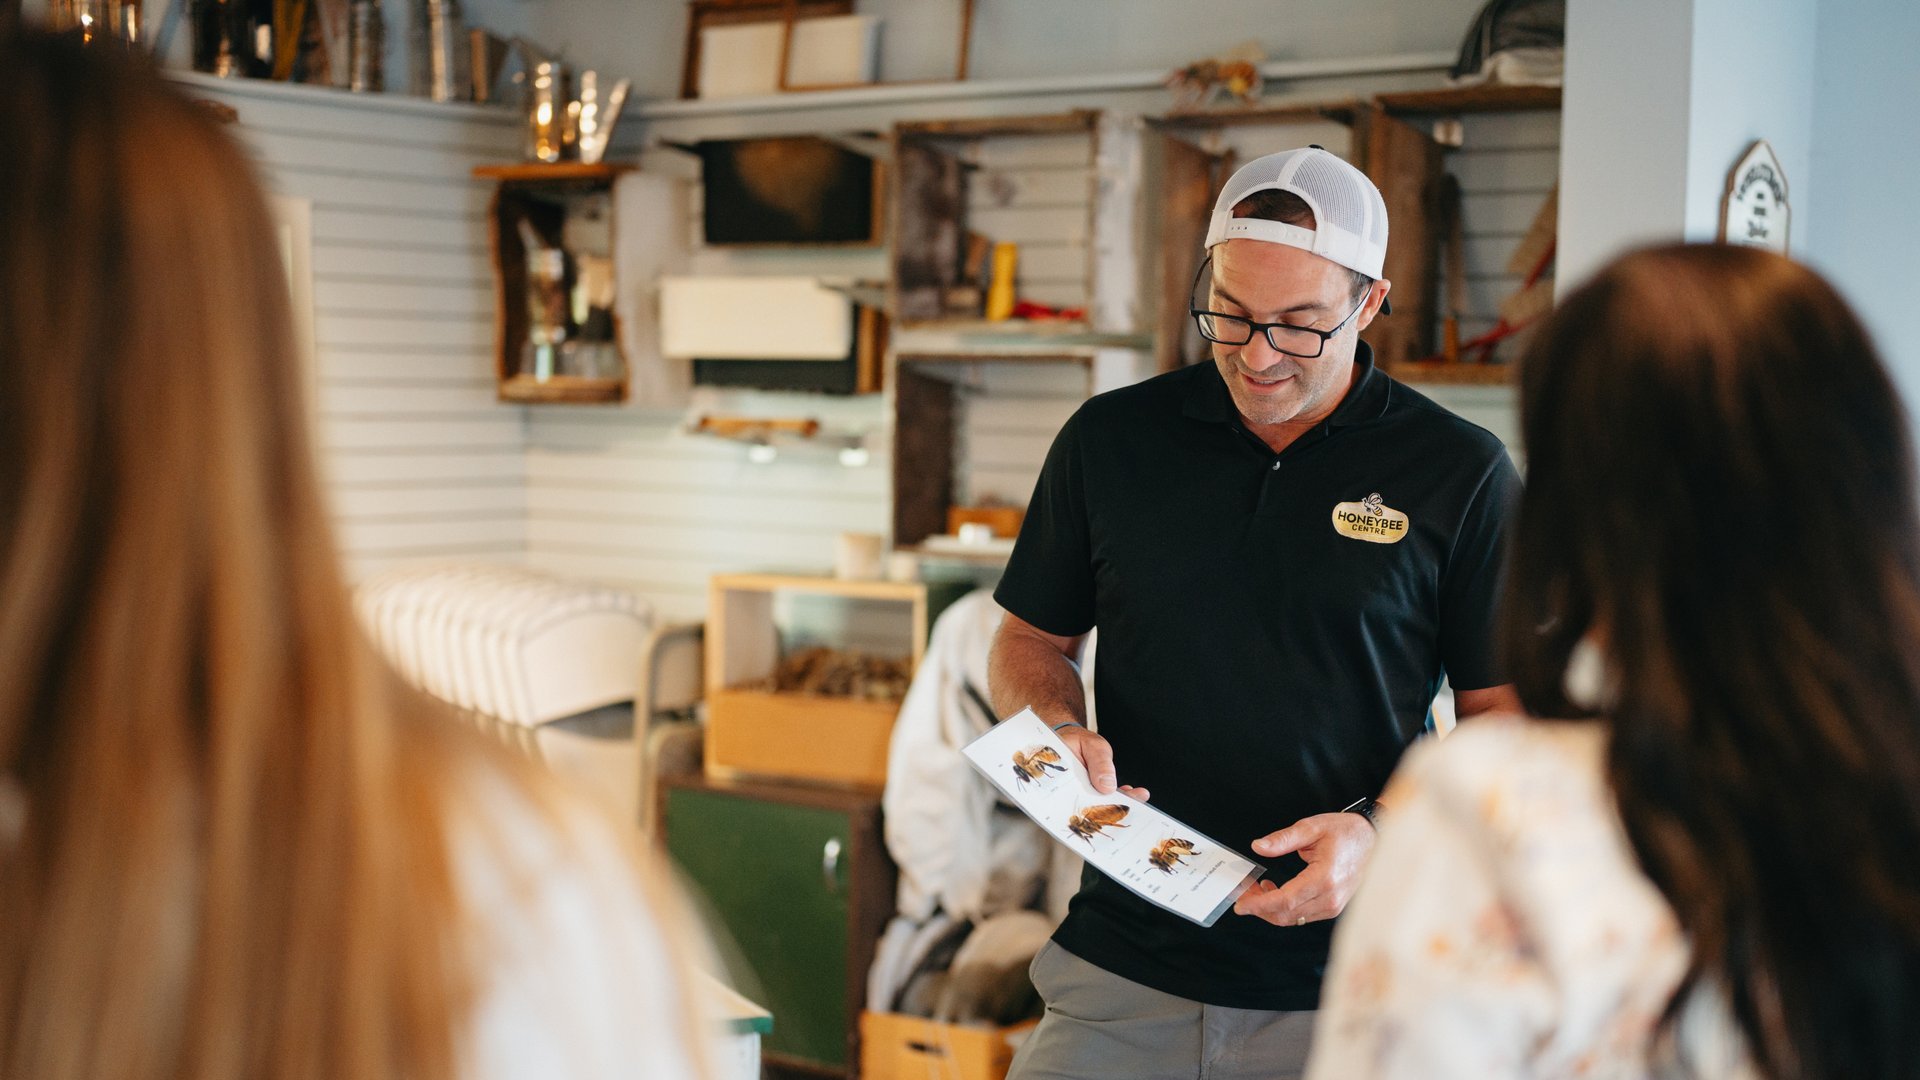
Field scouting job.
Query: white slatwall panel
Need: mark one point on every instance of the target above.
(421, 462)
(1506, 166)
(627, 496)
(1036, 191)
(1009, 414)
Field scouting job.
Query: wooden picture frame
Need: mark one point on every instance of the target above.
(848, 182)
(702, 14)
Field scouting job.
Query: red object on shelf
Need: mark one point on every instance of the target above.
(1027, 309)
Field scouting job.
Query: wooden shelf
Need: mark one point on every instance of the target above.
(1453, 374)
(906, 591)
(1338, 110)
(1470, 99)
(1080, 120)
(559, 172)
(950, 555)
(563, 389)
(1039, 333)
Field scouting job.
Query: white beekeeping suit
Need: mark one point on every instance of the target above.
(964, 853)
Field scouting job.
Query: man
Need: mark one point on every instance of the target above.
(1284, 551)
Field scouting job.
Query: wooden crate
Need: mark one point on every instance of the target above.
(799, 736)
(895, 1047)
(543, 194)
(840, 741)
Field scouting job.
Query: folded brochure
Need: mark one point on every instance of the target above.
(1160, 859)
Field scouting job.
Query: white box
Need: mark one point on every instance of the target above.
(754, 318)
(836, 50)
(740, 61)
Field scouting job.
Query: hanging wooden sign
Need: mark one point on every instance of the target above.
(1755, 211)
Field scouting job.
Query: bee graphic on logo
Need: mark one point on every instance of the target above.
(1167, 853)
(1371, 504)
(1087, 823)
(1036, 763)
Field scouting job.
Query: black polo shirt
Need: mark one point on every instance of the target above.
(1273, 629)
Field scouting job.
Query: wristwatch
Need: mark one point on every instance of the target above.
(1366, 808)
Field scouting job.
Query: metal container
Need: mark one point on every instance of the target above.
(548, 98)
(447, 52)
(597, 115)
(487, 55)
(366, 47)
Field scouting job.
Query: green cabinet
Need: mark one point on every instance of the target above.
(800, 882)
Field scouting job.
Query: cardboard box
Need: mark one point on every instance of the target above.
(895, 1047)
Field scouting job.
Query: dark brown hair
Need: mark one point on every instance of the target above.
(1290, 209)
(1721, 482)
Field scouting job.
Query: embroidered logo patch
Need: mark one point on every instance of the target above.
(1370, 520)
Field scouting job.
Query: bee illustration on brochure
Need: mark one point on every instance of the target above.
(1167, 853)
(1135, 843)
(1034, 764)
(1087, 823)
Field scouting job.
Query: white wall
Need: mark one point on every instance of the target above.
(1662, 98)
(1829, 83)
(1752, 78)
(1866, 154)
(1623, 141)
(421, 461)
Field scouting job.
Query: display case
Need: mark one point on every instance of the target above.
(556, 336)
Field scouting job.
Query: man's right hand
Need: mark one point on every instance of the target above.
(1097, 755)
(1028, 668)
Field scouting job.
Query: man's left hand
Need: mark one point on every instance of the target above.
(1336, 848)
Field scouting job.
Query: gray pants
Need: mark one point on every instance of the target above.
(1099, 1026)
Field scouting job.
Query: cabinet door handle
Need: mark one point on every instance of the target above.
(830, 864)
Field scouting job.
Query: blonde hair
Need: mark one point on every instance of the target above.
(234, 859)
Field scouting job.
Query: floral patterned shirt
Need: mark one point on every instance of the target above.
(1504, 928)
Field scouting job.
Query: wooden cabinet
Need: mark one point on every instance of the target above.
(802, 887)
(556, 337)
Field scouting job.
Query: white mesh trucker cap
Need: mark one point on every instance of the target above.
(1348, 212)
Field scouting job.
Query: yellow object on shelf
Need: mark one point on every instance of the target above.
(1006, 259)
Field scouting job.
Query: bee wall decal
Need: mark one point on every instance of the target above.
(1035, 762)
(1167, 853)
(1087, 823)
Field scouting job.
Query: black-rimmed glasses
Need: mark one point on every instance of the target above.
(1303, 342)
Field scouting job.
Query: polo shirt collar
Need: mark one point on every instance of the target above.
(1367, 398)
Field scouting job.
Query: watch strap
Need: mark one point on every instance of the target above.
(1367, 808)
